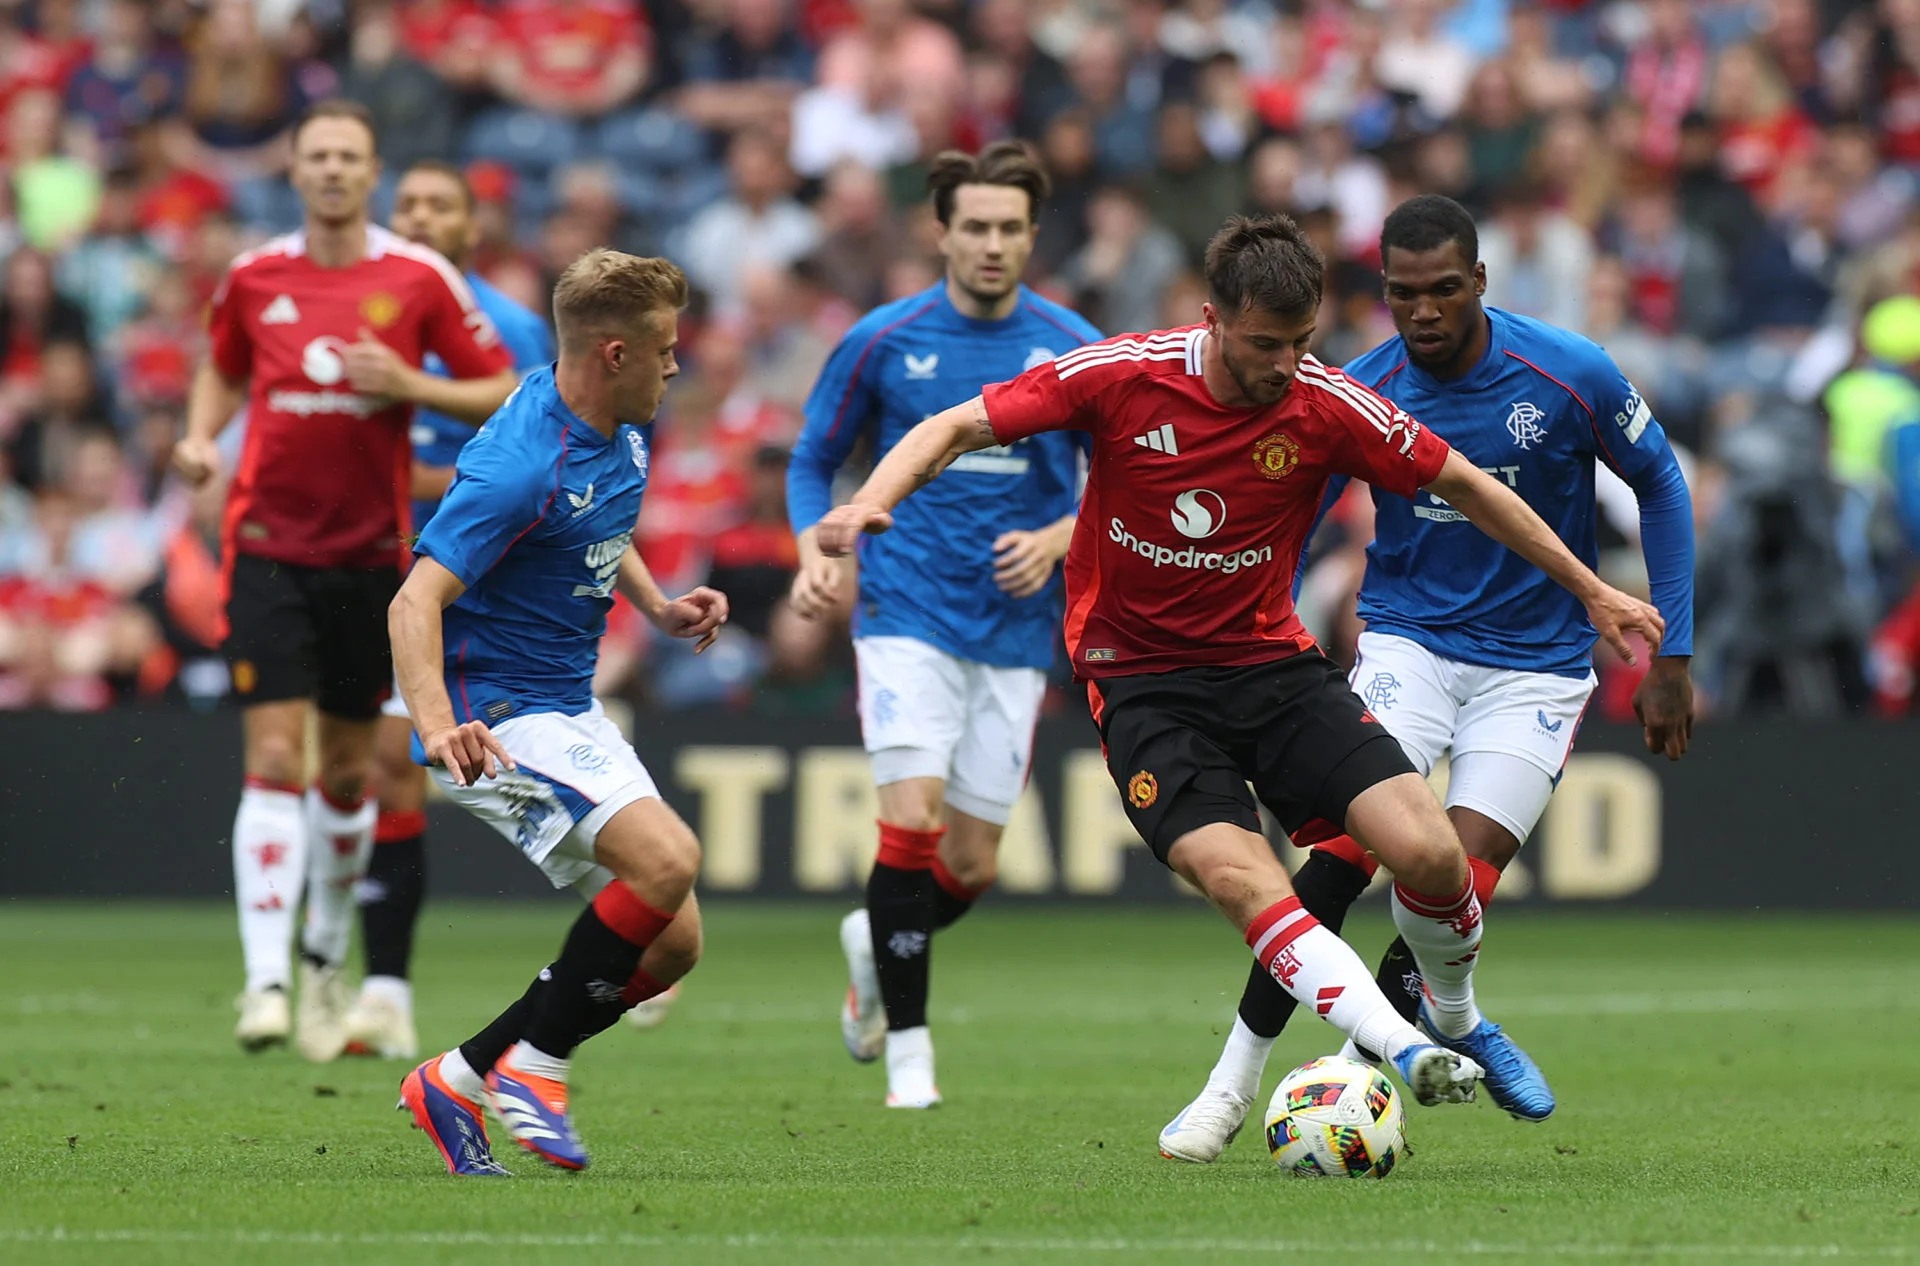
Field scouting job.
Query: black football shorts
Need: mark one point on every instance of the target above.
(1183, 745)
(316, 633)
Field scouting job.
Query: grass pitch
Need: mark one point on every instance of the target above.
(1737, 1089)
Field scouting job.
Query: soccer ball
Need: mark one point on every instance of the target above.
(1336, 1118)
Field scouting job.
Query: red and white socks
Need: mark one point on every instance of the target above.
(269, 870)
(1443, 934)
(341, 834)
(1323, 973)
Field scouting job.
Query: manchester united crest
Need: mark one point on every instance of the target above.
(380, 309)
(1277, 455)
(1142, 790)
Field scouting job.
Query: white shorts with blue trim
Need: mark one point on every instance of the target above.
(1522, 723)
(927, 714)
(575, 774)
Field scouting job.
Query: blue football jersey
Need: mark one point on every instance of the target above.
(931, 577)
(1537, 411)
(541, 509)
(437, 438)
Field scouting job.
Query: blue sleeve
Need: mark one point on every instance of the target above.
(1628, 439)
(1336, 487)
(496, 498)
(1903, 446)
(529, 342)
(838, 408)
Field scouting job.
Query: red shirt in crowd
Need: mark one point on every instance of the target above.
(323, 474)
(428, 31)
(1753, 154)
(1188, 538)
(566, 49)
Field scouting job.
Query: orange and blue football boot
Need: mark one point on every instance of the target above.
(451, 1120)
(534, 1110)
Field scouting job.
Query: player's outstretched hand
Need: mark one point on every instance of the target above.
(1023, 561)
(842, 526)
(819, 587)
(1615, 614)
(469, 752)
(374, 369)
(196, 459)
(699, 613)
(1664, 704)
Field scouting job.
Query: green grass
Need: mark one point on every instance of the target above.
(1730, 1089)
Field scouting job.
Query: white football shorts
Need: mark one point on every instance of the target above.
(927, 714)
(575, 774)
(1509, 732)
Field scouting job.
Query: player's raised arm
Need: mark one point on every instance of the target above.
(921, 454)
(1499, 512)
(469, 752)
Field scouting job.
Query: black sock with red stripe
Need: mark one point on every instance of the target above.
(901, 913)
(601, 954)
(1327, 886)
(391, 892)
(484, 1049)
(951, 898)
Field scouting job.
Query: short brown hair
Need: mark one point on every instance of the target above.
(1264, 262)
(606, 292)
(337, 108)
(1009, 163)
(441, 167)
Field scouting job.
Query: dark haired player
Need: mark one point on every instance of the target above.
(1469, 648)
(432, 207)
(310, 333)
(958, 609)
(1180, 616)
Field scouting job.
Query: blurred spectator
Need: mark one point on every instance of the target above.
(1036, 80)
(1537, 259)
(173, 198)
(110, 272)
(1761, 130)
(1067, 149)
(862, 119)
(757, 224)
(455, 38)
(1721, 210)
(1578, 174)
(858, 236)
(747, 73)
(1666, 75)
(1875, 200)
(1229, 120)
(570, 57)
(1191, 191)
(241, 98)
(1352, 186)
(32, 315)
(892, 44)
(69, 407)
(1128, 261)
(1197, 30)
(128, 81)
(1499, 131)
(412, 112)
(1122, 131)
(790, 327)
(1273, 177)
(1676, 276)
(55, 196)
(153, 357)
(186, 605)
(1420, 59)
(1545, 81)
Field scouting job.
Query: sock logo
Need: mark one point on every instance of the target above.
(270, 855)
(604, 991)
(1285, 966)
(907, 944)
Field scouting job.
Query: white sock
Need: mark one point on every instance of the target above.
(906, 1046)
(524, 1057)
(1444, 936)
(392, 988)
(269, 867)
(459, 1075)
(1242, 1061)
(1323, 973)
(342, 840)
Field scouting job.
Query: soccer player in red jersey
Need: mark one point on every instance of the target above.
(1211, 448)
(320, 334)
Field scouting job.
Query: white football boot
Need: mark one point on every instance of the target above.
(1205, 1127)
(863, 1019)
(320, 1020)
(910, 1069)
(265, 1019)
(380, 1024)
(653, 1012)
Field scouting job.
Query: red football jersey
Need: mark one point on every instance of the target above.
(1195, 513)
(323, 476)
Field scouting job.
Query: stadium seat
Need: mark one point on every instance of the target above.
(656, 140)
(528, 141)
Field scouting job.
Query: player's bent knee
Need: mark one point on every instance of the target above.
(1233, 867)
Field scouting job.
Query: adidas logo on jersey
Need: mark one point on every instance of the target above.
(281, 312)
(1159, 439)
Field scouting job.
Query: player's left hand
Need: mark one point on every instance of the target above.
(1023, 561)
(699, 613)
(1664, 704)
(842, 526)
(374, 369)
(1615, 614)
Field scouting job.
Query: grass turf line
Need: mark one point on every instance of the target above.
(1731, 1089)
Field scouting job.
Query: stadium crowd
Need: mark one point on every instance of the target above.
(1722, 192)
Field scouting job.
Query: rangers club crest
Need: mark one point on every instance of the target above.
(639, 447)
(1523, 423)
(1277, 455)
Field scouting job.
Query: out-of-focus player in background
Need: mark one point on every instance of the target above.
(496, 633)
(1469, 648)
(432, 207)
(958, 611)
(315, 333)
(1180, 616)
